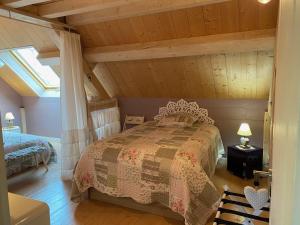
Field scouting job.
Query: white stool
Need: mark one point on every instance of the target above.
(25, 211)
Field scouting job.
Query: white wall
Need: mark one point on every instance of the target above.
(285, 204)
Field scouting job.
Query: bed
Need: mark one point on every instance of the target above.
(154, 165)
(23, 151)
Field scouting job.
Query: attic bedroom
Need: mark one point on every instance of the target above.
(139, 112)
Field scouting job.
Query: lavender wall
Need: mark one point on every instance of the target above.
(43, 116)
(228, 114)
(10, 101)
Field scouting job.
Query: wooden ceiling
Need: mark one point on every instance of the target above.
(15, 82)
(228, 17)
(16, 34)
(229, 76)
(170, 48)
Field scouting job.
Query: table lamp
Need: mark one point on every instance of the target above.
(245, 132)
(9, 117)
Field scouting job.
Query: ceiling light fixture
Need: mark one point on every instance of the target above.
(263, 1)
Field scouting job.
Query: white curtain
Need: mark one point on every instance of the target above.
(106, 122)
(75, 133)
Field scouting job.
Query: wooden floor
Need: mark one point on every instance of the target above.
(48, 187)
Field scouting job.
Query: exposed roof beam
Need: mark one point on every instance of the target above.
(104, 76)
(50, 58)
(21, 3)
(90, 88)
(139, 8)
(93, 79)
(204, 45)
(30, 18)
(71, 7)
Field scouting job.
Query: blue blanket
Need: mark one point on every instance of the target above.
(17, 144)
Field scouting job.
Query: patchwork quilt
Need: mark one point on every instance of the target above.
(169, 165)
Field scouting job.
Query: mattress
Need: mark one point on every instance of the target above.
(169, 165)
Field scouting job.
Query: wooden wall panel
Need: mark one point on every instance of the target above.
(223, 76)
(226, 17)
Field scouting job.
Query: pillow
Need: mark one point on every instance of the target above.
(180, 120)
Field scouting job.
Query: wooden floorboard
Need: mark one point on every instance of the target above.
(48, 187)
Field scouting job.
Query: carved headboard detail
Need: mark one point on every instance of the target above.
(182, 106)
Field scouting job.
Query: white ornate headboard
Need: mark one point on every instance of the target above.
(182, 106)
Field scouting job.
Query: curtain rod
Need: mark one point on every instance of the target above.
(29, 18)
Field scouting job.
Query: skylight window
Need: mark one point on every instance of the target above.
(44, 74)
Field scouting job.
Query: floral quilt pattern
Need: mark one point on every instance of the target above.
(169, 165)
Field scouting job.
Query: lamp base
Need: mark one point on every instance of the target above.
(10, 123)
(245, 142)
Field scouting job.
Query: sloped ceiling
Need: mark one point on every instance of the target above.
(224, 76)
(15, 34)
(227, 17)
(15, 82)
(243, 75)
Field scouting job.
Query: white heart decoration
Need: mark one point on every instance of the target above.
(257, 199)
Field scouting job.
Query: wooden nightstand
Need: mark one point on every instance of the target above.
(15, 129)
(243, 162)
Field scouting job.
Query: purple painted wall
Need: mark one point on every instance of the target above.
(228, 114)
(10, 101)
(43, 116)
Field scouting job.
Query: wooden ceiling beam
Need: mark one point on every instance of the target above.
(105, 77)
(139, 8)
(21, 3)
(204, 45)
(50, 58)
(71, 7)
(93, 79)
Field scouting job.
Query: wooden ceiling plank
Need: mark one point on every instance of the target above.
(250, 72)
(71, 7)
(15, 82)
(181, 23)
(204, 45)
(138, 8)
(21, 3)
(221, 76)
(117, 76)
(264, 68)
(234, 71)
(104, 76)
(218, 63)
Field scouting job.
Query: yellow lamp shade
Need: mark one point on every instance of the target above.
(264, 1)
(244, 130)
(9, 116)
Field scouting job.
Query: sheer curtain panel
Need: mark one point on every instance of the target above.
(75, 133)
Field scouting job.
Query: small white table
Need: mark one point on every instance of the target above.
(15, 129)
(133, 120)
